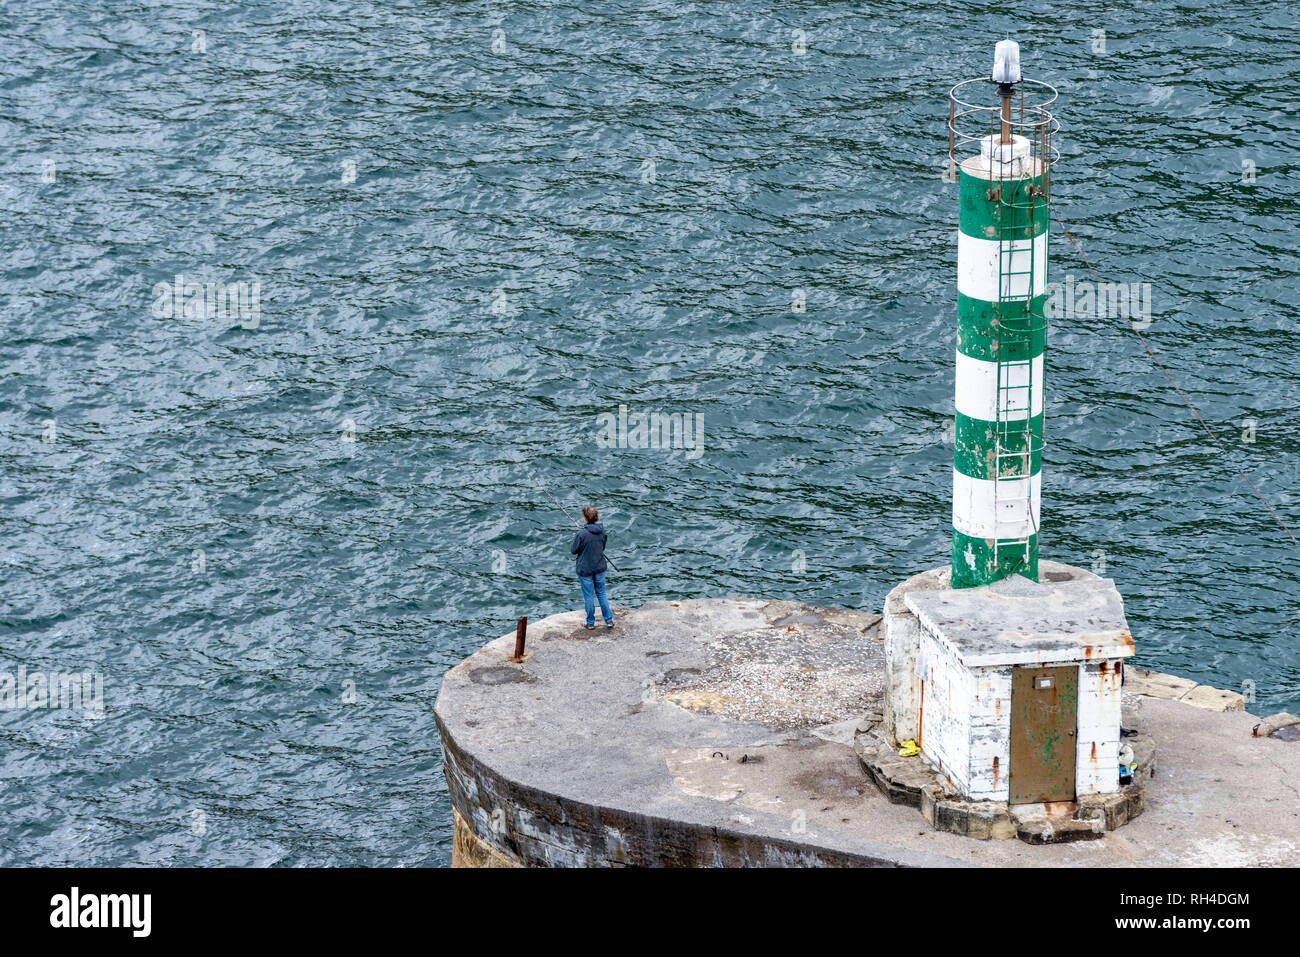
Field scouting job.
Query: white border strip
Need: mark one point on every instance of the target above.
(977, 267)
(977, 389)
(975, 513)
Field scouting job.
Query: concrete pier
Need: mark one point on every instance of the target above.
(719, 732)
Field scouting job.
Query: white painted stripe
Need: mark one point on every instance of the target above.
(978, 394)
(977, 268)
(975, 511)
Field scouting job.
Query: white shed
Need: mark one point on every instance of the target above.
(1020, 687)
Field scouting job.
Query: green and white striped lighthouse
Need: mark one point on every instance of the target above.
(1000, 152)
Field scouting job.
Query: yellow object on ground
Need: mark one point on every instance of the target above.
(908, 748)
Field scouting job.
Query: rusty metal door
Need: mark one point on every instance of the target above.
(1044, 719)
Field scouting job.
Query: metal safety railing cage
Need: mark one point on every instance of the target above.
(971, 121)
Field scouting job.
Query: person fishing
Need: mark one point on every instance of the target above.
(589, 546)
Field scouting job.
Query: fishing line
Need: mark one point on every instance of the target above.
(562, 509)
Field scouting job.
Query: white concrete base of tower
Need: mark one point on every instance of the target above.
(1024, 687)
(902, 634)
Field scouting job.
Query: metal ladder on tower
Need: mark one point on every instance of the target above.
(1013, 435)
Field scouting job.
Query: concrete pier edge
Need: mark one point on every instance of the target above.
(677, 740)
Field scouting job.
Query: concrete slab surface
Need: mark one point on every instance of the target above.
(1017, 621)
(682, 738)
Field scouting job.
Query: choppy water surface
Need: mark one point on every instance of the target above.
(613, 207)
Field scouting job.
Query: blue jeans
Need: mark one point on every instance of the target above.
(593, 587)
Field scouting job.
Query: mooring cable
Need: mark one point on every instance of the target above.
(1188, 402)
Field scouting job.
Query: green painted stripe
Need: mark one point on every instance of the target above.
(1022, 333)
(985, 218)
(976, 441)
(979, 551)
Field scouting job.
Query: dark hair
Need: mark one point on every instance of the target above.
(590, 514)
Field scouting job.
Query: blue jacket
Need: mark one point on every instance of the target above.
(589, 546)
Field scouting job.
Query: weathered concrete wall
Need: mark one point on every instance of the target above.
(990, 735)
(947, 692)
(1097, 758)
(966, 724)
(902, 632)
(469, 850)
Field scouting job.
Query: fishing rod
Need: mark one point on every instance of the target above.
(566, 512)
